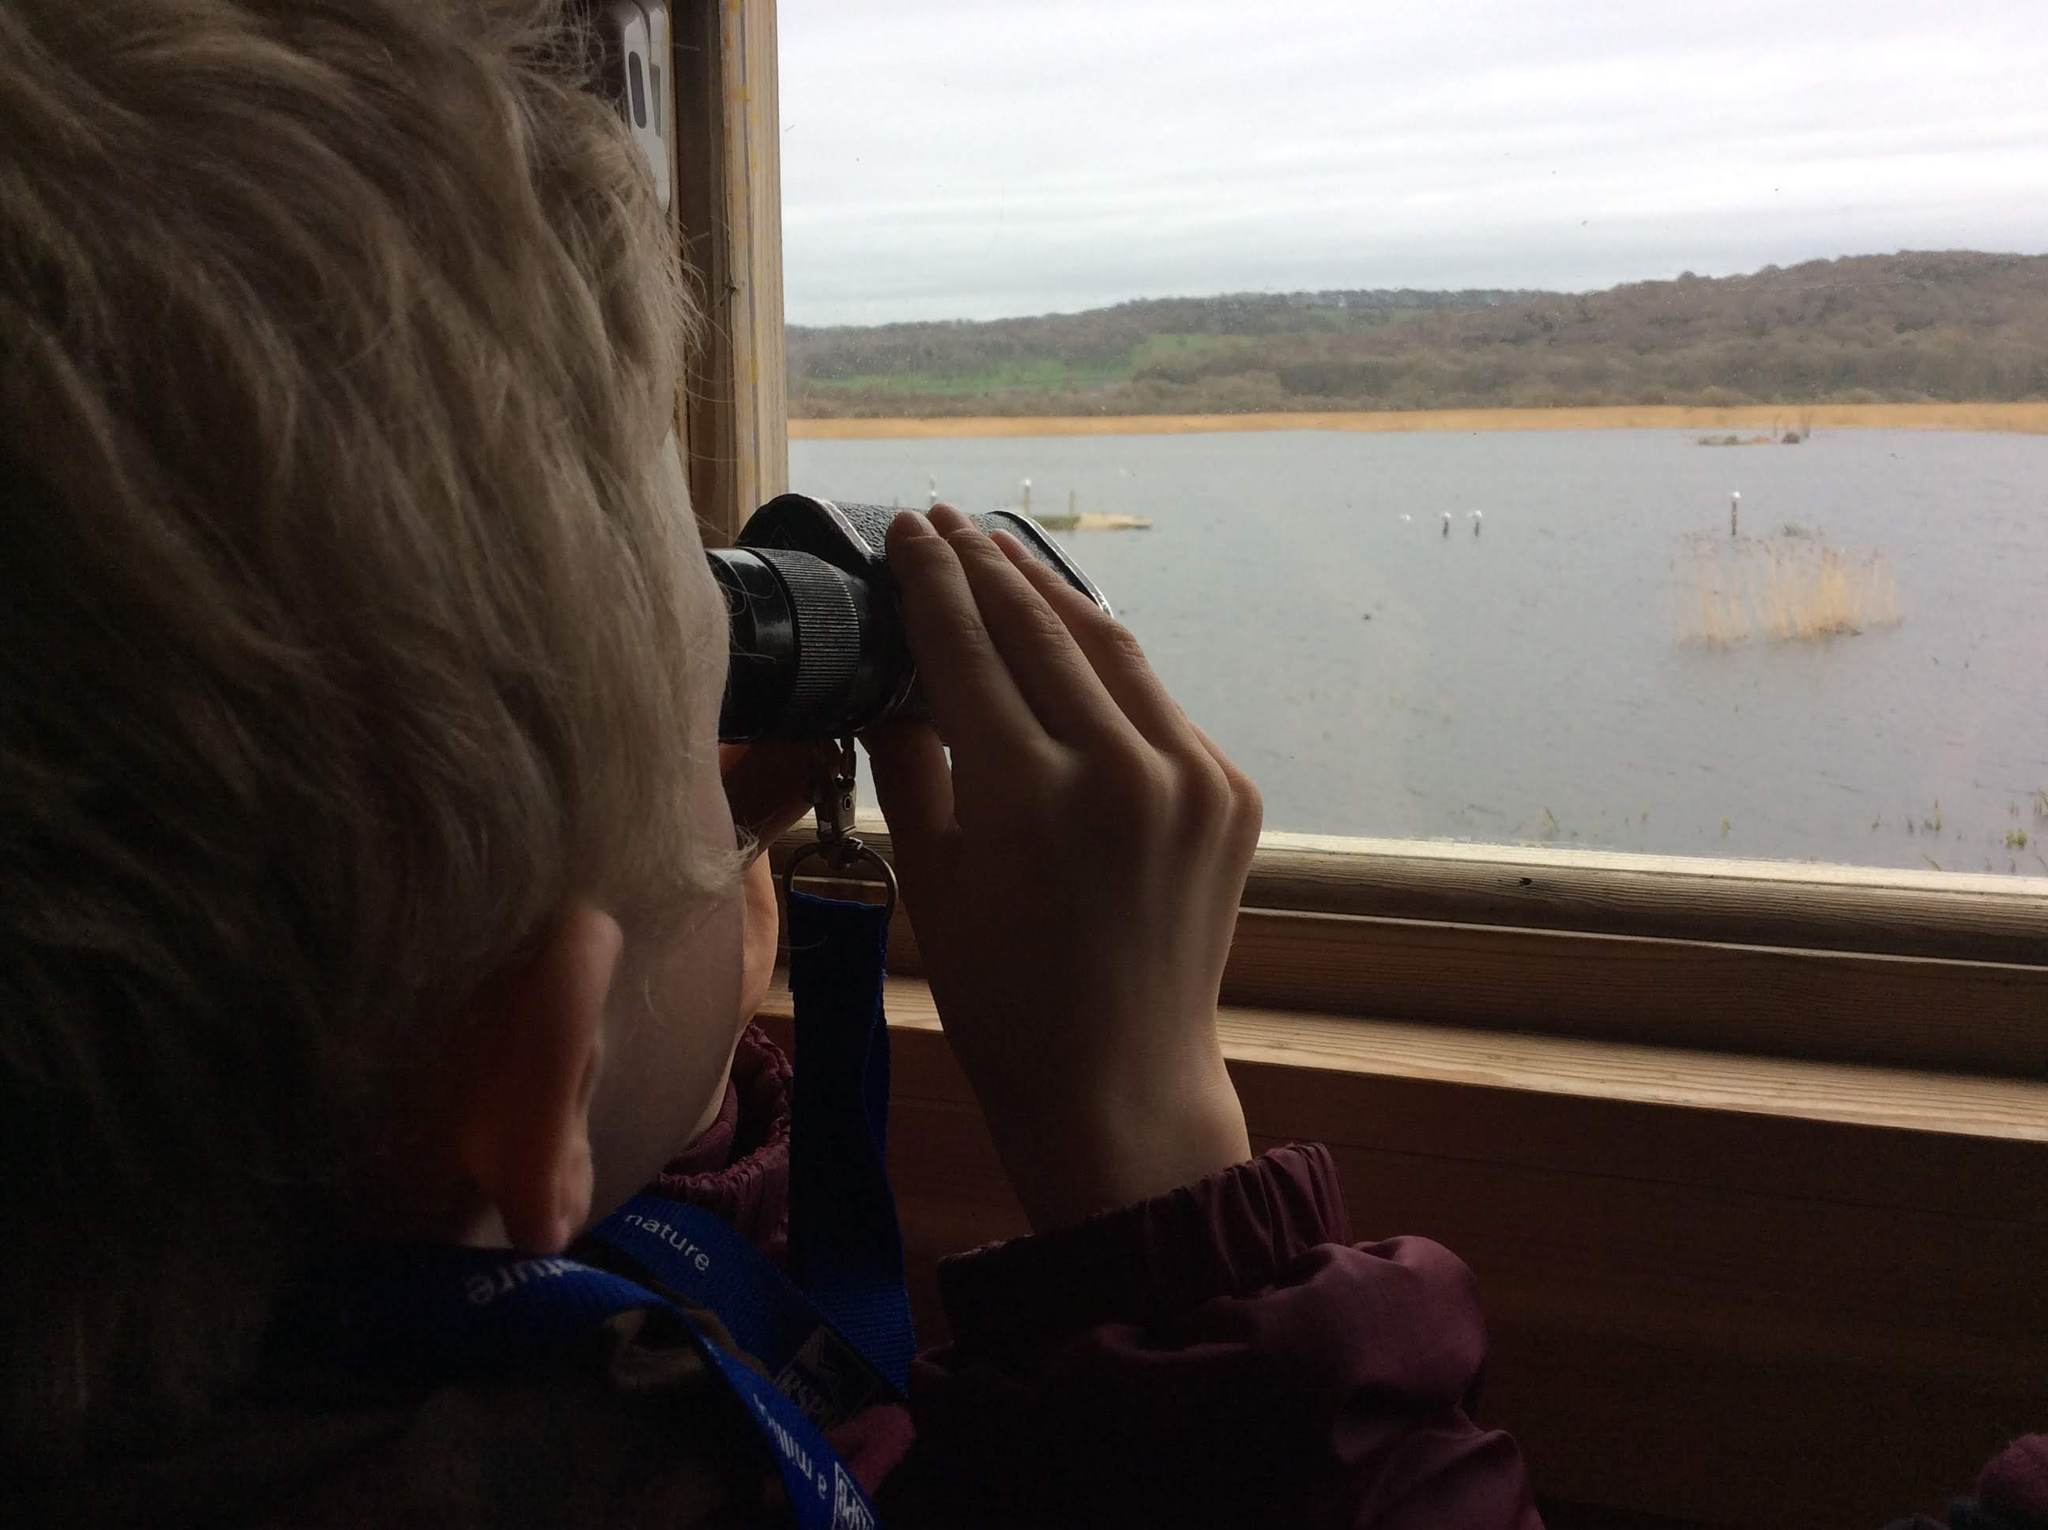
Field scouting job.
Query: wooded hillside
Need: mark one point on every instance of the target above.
(1909, 328)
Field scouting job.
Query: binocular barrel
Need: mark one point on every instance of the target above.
(817, 642)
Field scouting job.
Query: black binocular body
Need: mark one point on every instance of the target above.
(818, 647)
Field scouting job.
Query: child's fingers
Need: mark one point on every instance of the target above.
(972, 695)
(768, 785)
(1119, 663)
(1049, 668)
(912, 781)
(1250, 806)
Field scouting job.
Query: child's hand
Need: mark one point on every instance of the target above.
(1073, 876)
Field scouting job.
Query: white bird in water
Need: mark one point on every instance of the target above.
(1478, 520)
(1447, 523)
(1405, 519)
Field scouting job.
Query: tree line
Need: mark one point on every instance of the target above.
(1912, 327)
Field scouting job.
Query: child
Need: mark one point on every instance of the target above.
(369, 884)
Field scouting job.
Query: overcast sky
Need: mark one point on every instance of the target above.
(966, 158)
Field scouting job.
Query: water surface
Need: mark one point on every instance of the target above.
(1542, 681)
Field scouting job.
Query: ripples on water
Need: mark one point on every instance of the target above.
(1598, 667)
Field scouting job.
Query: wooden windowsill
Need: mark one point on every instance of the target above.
(1826, 965)
(1792, 905)
(1931, 1141)
(1815, 906)
(1320, 1046)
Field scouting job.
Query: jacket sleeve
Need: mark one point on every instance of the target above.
(1220, 1355)
(2012, 1493)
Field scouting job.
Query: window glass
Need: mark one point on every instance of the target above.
(1616, 427)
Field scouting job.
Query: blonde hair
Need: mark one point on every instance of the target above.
(341, 632)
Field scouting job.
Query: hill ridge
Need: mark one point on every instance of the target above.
(1910, 327)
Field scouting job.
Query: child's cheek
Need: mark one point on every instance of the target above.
(669, 1049)
(757, 957)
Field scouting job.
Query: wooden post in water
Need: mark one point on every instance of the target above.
(1027, 497)
(1447, 523)
(1734, 510)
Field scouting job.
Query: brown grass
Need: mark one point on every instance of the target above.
(1782, 588)
(2029, 419)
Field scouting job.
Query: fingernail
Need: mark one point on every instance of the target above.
(911, 524)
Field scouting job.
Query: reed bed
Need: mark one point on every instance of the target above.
(1781, 589)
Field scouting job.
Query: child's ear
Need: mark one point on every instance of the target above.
(524, 1129)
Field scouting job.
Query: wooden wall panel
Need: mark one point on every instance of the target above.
(1698, 1311)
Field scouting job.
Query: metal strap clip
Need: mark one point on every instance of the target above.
(832, 796)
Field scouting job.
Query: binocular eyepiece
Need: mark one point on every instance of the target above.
(818, 648)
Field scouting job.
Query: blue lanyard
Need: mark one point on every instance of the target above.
(833, 1341)
(845, 1247)
(435, 1311)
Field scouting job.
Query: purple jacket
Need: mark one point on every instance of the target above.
(1222, 1355)
(2012, 1493)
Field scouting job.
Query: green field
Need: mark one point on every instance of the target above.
(1041, 374)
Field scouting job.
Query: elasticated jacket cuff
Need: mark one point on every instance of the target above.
(2015, 1484)
(1228, 1235)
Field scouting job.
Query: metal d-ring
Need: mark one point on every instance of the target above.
(843, 855)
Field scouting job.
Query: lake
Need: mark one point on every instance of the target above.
(1601, 666)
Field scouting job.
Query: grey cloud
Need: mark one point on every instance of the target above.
(969, 159)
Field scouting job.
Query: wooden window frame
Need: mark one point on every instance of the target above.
(1751, 1159)
(731, 411)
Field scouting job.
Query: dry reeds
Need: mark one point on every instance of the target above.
(1790, 590)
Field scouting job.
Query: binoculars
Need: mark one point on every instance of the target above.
(818, 649)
